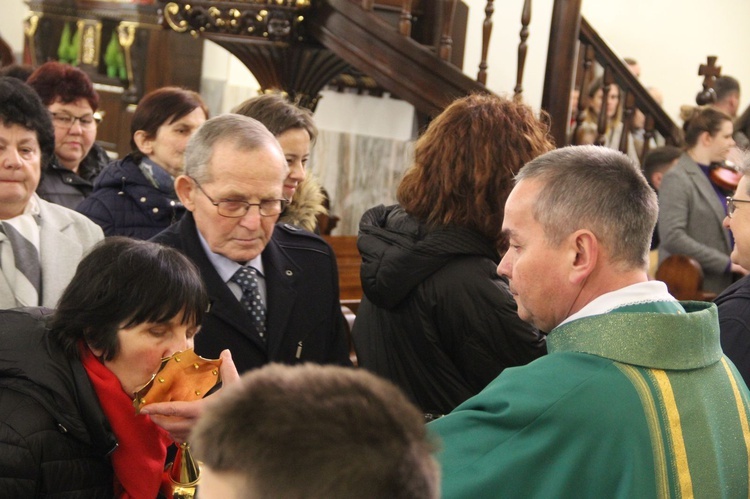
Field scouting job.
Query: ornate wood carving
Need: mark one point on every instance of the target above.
(278, 21)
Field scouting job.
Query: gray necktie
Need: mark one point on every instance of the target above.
(27, 275)
(247, 279)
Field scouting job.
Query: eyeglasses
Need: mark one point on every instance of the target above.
(65, 120)
(731, 206)
(232, 208)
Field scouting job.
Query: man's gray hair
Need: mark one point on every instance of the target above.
(245, 134)
(599, 189)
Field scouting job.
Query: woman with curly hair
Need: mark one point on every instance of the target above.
(435, 317)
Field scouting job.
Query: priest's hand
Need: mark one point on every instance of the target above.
(178, 418)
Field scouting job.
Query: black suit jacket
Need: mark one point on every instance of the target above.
(303, 322)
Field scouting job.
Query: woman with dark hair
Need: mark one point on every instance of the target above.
(72, 101)
(295, 130)
(692, 207)
(436, 319)
(67, 381)
(135, 196)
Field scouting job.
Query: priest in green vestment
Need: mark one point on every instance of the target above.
(635, 398)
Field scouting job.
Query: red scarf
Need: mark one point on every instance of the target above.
(138, 461)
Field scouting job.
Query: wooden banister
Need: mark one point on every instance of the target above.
(561, 63)
(629, 84)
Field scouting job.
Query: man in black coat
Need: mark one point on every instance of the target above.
(734, 302)
(232, 188)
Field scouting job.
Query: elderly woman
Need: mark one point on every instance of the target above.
(295, 130)
(40, 242)
(436, 319)
(72, 101)
(135, 196)
(67, 421)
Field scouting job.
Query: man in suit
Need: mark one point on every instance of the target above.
(285, 307)
(40, 243)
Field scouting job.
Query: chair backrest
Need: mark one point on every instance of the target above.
(683, 276)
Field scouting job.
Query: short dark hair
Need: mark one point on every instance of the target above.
(163, 105)
(659, 159)
(54, 80)
(318, 432)
(464, 163)
(19, 71)
(20, 105)
(725, 85)
(278, 114)
(121, 283)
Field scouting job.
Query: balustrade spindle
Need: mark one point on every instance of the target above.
(603, 119)
(489, 9)
(628, 113)
(588, 61)
(522, 48)
(446, 40)
(648, 135)
(404, 25)
(367, 4)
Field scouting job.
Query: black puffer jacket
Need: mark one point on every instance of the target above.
(54, 437)
(61, 186)
(436, 319)
(126, 203)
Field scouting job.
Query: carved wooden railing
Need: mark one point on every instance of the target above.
(633, 95)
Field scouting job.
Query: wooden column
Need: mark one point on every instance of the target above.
(561, 63)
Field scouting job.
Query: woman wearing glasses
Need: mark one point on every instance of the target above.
(72, 101)
(135, 196)
(692, 207)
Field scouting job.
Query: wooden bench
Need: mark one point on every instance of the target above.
(349, 261)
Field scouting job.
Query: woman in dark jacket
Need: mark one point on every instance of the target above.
(436, 319)
(68, 427)
(135, 196)
(72, 101)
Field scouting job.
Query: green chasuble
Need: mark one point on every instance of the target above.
(636, 403)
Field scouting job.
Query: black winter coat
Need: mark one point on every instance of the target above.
(734, 321)
(54, 437)
(436, 319)
(61, 186)
(126, 203)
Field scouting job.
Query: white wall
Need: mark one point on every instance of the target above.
(11, 24)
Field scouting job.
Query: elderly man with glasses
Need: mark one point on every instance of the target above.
(273, 287)
(734, 302)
